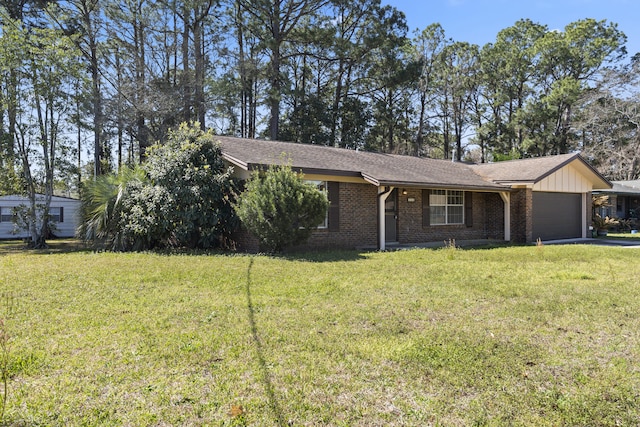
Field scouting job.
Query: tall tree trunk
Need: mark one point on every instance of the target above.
(198, 48)
(97, 110)
(186, 70)
(244, 96)
(421, 120)
(274, 94)
(142, 132)
(120, 121)
(335, 113)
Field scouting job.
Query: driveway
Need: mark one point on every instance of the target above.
(628, 243)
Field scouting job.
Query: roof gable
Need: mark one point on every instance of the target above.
(534, 170)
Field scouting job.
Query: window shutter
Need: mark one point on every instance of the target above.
(61, 214)
(426, 212)
(333, 193)
(468, 208)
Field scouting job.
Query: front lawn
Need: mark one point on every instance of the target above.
(507, 336)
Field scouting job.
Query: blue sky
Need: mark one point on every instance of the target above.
(479, 21)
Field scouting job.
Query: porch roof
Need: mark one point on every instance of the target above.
(376, 168)
(630, 188)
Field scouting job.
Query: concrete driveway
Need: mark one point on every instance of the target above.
(627, 243)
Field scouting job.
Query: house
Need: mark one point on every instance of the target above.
(63, 212)
(624, 200)
(381, 199)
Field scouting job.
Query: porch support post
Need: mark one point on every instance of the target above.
(584, 215)
(506, 198)
(383, 193)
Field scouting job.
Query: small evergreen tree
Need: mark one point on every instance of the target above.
(280, 209)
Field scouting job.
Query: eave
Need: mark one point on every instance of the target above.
(424, 184)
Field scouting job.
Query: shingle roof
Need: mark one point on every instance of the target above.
(391, 169)
(536, 169)
(377, 168)
(633, 184)
(624, 187)
(526, 170)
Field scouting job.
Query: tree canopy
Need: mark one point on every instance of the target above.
(331, 72)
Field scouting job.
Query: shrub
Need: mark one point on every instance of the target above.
(190, 167)
(102, 206)
(181, 196)
(280, 209)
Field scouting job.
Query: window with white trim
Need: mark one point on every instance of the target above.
(322, 186)
(446, 207)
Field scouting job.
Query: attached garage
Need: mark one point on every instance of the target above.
(551, 196)
(557, 215)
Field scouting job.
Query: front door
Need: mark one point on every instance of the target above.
(391, 217)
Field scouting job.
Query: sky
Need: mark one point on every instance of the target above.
(479, 21)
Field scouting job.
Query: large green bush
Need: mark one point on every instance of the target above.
(190, 166)
(280, 209)
(180, 197)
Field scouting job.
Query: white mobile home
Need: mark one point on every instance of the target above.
(64, 213)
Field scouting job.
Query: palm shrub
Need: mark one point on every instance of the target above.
(103, 201)
(279, 208)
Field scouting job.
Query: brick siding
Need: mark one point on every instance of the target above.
(488, 220)
(522, 215)
(359, 221)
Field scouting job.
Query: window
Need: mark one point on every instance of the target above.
(447, 207)
(55, 214)
(322, 186)
(6, 214)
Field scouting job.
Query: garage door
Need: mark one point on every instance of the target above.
(557, 215)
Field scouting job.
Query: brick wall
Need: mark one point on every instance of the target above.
(488, 220)
(245, 241)
(522, 215)
(494, 215)
(359, 221)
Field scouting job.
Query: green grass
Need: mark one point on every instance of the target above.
(506, 336)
